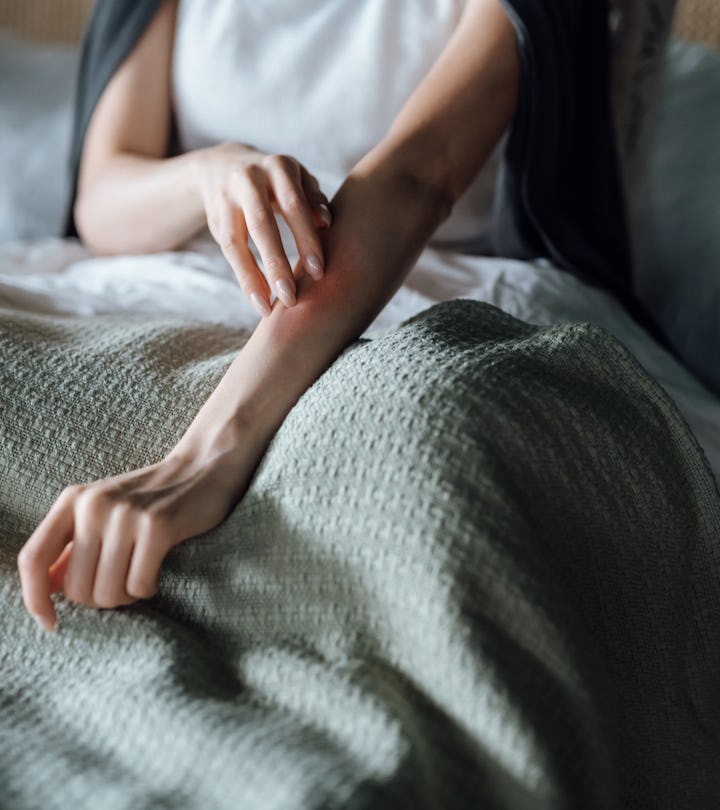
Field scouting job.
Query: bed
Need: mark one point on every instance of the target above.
(406, 609)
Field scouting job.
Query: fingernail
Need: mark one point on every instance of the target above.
(326, 214)
(285, 292)
(45, 623)
(314, 266)
(260, 304)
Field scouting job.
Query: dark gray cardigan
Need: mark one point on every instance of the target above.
(559, 193)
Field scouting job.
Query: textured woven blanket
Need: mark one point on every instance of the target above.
(477, 567)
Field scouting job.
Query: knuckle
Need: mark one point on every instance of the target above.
(90, 500)
(214, 222)
(292, 202)
(153, 523)
(92, 512)
(275, 266)
(272, 161)
(122, 510)
(227, 240)
(72, 492)
(159, 516)
(287, 163)
(28, 558)
(257, 219)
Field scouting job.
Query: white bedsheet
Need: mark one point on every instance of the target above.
(60, 276)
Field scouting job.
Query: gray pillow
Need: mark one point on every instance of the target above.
(679, 236)
(640, 35)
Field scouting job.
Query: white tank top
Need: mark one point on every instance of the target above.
(321, 80)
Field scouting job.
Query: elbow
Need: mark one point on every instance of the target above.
(87, 225)
(80, 215)
(99, 231)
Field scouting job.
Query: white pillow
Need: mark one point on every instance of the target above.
(36, 91)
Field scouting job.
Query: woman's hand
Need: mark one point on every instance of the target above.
(242, 189)
(102, 543)
(133, 198)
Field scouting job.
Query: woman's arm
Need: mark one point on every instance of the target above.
(384, 215)
(131, 198)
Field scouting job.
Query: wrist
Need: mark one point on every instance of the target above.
(223, 444)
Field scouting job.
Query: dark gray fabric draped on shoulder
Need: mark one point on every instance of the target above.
(114, 28)
(559, 192)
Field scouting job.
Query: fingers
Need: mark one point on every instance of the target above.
(90, 507)
(39, 552)
(109, 589)
(262, 227)
(296, 207)
(319, 203)
(150, 550)
(97, 548)
(227, 226)
(250, 195)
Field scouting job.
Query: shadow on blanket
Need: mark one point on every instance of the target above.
(478, 566)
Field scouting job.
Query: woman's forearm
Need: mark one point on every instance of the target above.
(367, 258)
(384, 215)
(140, 204)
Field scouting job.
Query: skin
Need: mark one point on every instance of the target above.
(102, 543)
(131, 199)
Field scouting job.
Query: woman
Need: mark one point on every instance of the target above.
(103, 543)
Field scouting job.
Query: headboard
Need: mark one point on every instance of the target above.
(64, 20)
(46, 20)
(698, 20)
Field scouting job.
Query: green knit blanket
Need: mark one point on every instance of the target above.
(478, 566)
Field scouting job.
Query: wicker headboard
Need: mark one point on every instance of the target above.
(46, 20)
(698, 20)
(64, 20)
